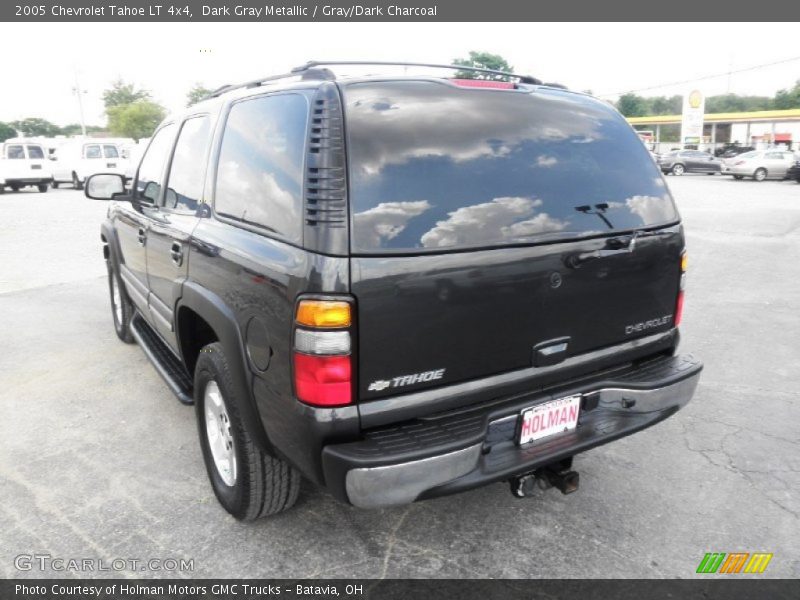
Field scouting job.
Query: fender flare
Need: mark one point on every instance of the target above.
(222, 320)
(108, 231)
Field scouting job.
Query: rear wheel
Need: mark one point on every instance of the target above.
(678, 169)
(760, 174)
(14, 187)
(76, 183)
(248, 482)
(121, 306)
(55, 184)
(42, 187)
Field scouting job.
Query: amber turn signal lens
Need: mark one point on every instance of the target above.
(323, 313)
(684, 262)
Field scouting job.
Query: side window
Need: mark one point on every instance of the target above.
(92, 151)
(260, 169)
(35, 152)
(110, 151)
(151, 170)
(15, 152)
(187, 172)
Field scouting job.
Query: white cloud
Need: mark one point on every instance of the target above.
(651, 209)
(386, 221)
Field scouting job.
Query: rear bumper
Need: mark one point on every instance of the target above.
(455, 452)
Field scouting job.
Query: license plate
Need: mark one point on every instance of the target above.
(111, 165)
(550, 418)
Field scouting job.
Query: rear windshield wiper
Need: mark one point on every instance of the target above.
(622, 244)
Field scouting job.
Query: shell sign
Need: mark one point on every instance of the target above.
(692, 118)
(695, 99)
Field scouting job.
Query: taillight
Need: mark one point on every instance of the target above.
(738, 162)
(679, 302)
(322, 352)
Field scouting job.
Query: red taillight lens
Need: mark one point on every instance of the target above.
(679, 309)
(483, 83)
(679, 302)
(322, 380)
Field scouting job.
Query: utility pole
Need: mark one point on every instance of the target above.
(78, 92)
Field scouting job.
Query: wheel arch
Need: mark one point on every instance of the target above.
(202, 315)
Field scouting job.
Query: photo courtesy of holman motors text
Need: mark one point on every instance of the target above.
(409, 299)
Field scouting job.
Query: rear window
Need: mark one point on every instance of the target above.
(35, 152)
(434, 166)
(15, 152)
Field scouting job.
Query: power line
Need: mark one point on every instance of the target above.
(726, 73)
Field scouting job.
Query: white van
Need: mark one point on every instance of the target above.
(24, 163)
(78, 159)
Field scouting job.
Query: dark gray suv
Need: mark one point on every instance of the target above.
(679, 162)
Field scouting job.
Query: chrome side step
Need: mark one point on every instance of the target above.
(165, 362)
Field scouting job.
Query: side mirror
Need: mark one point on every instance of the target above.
(104, 186)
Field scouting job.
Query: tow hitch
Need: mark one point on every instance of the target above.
(557, 475)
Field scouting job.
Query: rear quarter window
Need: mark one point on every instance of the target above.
(260, 167)
(436, 167)
(35, 152)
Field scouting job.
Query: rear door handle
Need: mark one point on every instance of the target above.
(142, 237)
(176, 252)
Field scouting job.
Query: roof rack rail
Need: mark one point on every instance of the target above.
(309, 70)
(318, 63)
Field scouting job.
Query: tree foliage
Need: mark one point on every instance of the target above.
(633, 105)
(482, 60)
(788, 98)
(197, 93)
(35, 126)
(121, 94)
(136, 120)
(7, 132)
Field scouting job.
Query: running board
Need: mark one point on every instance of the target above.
(165, 362)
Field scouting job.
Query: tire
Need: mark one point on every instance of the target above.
(43, 187)
(250, 483)
(76, 183)
(14, 187)
(760, 174)
(55, 184)
(711, 173)
(678, 169)
(121, 305)
(738, 177)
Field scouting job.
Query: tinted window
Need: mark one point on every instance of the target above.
(435, 166)
(35, 152)
(748, 155)
(151, 170)
(260, 172)
(93, 152)
(185, 183)
(15, 152)
(110, 152)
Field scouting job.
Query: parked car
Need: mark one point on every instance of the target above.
(400, 288)
(78, 159)
(760, 164)
(731, 150)
(679, 162)
(23, 164)
(794, 170)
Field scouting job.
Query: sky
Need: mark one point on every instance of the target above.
(168, 59)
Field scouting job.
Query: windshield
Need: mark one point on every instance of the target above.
(434, 166)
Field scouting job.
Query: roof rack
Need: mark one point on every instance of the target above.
(318, 63)
(309, 70)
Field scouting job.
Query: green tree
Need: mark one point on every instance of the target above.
(197, 93)
(75, 129)
(482, 60)
(122, 93)
(34, 126)
(631, 105)
(7, 132)
(136, 120)
(788, 98)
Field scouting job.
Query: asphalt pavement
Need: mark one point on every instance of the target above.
(99, 461)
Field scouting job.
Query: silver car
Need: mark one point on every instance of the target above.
(760, 164)
(679, 162)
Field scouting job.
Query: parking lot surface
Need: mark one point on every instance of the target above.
(100, 461)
